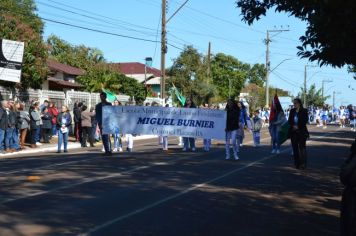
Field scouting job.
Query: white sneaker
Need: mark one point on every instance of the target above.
(193, 149)
(241, 145)
(236, 158)
(38, 144)
(103, 149)
(278, 152)
(115, 150)
(120, 149)
(273, 151)
(227, 157)
(184, 149)
(324, 127)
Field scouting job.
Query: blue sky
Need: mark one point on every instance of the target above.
(199, 22)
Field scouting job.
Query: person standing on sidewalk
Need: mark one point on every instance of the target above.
(256, 124)
(77, 121)
(3, 125)
(35, 122)
(298, 119)
(53, 111)
(23, 121)
(232, 126)
(12, 137)
(64, 121)
(46, 125)
(99, 118)
(86, 117)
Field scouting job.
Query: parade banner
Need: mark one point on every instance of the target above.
(165, 121)
(11, 56)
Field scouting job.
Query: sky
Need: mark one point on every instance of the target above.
(197, 23)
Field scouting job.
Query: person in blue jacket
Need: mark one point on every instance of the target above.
(242, 122)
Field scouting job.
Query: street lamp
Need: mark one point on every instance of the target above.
(148, 63)
(322, 86)
(305, 85)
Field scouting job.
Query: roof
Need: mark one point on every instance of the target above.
(64, 83)
(134, 68)
(57, 66)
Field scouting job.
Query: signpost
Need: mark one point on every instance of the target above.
(11, 57)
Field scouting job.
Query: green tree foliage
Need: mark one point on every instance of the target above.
(257, 95)
(313, 96)
(257, 74)
(330, 34)
(19, 22)
(225, 68)
(78, 56)
(101, 76)
(189, 74)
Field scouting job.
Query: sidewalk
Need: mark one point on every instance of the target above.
(52, 147)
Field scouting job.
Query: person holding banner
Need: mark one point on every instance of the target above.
(298, 119)
(187, 141)
(232, 127)
(242, 122)
(99, 118)
(117, 135)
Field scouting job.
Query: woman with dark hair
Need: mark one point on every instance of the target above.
(35, 122)
(86, 124)
(23, 123)
(298, 119)
(46, 124)
(189, 142)
(232, 127)
(275, 127)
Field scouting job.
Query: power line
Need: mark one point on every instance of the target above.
(92, 17)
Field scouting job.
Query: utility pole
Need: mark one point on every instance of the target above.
(305, 87)
(268, 40)
(164, 43)
(208, 61)
(267, 68)
(163, 50)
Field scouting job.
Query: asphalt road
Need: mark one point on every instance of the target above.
(150, 192)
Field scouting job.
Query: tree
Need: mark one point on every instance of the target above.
(330, 34)
(229, 75)
(313, 96)
(78, 56)
(19, 22)
(257, 95)
(189, 74)
(257, 74)
(102, 76)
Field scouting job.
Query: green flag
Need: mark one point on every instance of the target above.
(180, 97)
(110, 96)
(284, 132)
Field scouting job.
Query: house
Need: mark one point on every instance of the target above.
(136, 70)
(62, 77)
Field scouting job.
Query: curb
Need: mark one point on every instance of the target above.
(40, 150)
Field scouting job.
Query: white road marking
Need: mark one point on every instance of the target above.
(94, 179)
(183, 192)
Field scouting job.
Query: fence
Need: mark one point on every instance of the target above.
(61, 98)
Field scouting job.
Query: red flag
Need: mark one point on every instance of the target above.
(273, 111)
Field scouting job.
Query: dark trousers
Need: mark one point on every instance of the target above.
(34, 135)
(78, 133)
(87, 135)
(299, 149)
(46, 133)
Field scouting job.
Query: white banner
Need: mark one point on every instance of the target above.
(11, 56)
(165, 121)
